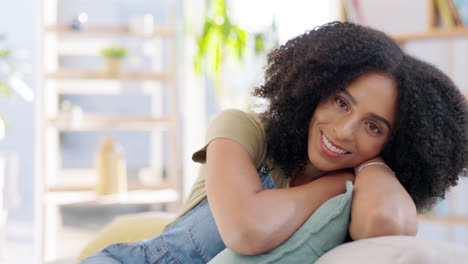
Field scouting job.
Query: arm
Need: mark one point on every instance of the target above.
(381, 206)
(252, 220)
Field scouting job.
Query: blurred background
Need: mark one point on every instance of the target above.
(102, 103)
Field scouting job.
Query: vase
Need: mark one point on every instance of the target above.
(111, 168)
(112, 67)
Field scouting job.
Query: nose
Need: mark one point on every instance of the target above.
(345, 128)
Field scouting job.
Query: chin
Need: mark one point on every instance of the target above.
(325, 165)
(322, 165)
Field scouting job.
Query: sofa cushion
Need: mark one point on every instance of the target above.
(129, 228)
(325, 229)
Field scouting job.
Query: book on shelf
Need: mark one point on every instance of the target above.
(391, 16)
(456, 16)
(353, 11)
(461, 7)
(446, 16)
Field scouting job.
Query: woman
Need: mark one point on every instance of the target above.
(345, 103)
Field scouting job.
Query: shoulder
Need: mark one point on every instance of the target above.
(236, 123)
(235, 117)
(242, 127)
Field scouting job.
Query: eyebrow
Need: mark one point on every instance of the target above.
(381, 119)
(375, 116)
(350, 97)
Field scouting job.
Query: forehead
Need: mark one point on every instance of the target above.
(375, 93)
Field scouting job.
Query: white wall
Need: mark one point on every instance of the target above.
(20, 25)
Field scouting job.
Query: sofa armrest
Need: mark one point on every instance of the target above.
(396, 250)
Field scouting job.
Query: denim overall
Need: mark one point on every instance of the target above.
(194, 239)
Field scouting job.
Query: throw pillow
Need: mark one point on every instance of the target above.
(325, 229)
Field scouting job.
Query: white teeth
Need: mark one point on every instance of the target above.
(331, 147)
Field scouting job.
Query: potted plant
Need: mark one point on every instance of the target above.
(221, 40)
(113, 58)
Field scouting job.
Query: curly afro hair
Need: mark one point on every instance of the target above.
(428, 146)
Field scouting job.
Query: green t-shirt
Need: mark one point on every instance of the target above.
(243, 128)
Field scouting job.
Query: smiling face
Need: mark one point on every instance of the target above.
(353, 125)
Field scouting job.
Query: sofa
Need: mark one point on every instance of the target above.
(382, 250)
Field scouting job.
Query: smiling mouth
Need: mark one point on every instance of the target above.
(332, 147)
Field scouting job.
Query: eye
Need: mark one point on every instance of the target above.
(341, 103)
(374, 128)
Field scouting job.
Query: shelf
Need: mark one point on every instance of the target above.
(106, 30)
(105, 87)
(90, 188)
(110, 87)
(127, 198)
(91, 122)
(452, 220)
(154, 82)
(434, 34)
(128, 76)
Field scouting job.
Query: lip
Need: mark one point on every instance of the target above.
(327, 151)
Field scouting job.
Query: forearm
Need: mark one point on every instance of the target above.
(381, 206)
(278, 213)
(252, 220)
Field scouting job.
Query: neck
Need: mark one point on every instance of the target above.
(307, 175)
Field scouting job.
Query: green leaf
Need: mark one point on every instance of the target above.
(220, 8)
(259, 42)
(205, 37)
(241, 40)
(5, 90)
(114, 52)
(5, 53)
(218, 59)
(197, 64)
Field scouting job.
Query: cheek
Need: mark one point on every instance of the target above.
(311, 133)
(370, 147)
(322, 116)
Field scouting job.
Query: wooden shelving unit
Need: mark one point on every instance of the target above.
(58, 187)
(90, 188)
(449, 220)
(83, 198)
(436, 33)
(127, 76)
(92, 122)
(165, 31)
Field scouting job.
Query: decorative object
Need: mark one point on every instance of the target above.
(73, 112)
(80, 22)
(113, 60)
(111, 168)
